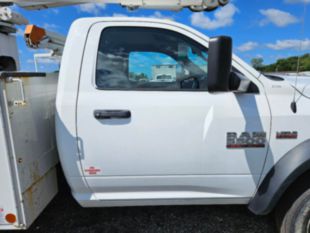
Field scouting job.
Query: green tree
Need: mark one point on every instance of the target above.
(289, 64)
(257, 63)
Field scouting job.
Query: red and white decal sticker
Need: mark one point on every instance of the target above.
(92, 171)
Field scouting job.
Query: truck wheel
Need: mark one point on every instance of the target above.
(297, 217)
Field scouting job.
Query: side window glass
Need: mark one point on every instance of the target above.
(200, 59)
(137, 58)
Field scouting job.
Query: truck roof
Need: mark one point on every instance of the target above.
(93, 20)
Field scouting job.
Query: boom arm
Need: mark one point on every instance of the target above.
(39, 38)
(194, 5)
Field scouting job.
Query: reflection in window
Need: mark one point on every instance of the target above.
(152, 67)
(149, 58)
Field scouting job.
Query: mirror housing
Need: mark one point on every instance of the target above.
(234, 81)
(219, 64)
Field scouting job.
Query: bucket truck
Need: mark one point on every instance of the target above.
(218, 132)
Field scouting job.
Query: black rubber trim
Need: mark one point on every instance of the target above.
(293, 164)
(4, 75)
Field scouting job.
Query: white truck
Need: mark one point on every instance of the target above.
(222, 135)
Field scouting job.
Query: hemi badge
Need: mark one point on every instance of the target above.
(287, 135)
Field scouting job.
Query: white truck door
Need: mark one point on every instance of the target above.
(147, 123)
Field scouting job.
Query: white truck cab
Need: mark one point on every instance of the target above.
(211, 137)
(171, 143)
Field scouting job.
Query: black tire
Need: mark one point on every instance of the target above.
(295, 218)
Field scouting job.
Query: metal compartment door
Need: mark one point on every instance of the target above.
(29, 105)
(7, 195)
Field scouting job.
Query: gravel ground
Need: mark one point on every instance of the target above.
(65, 215)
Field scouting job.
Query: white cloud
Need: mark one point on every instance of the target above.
(91, 8)
(50, 26)
(290, 44)
(247, 46)
(19, 32)
(297, 1)
(159, 15)
(55, 11)
(222, 18)
(277, 17)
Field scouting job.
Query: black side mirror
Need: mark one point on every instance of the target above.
(219, 64)
(234, 81)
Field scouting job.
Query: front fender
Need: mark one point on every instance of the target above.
(291, 166)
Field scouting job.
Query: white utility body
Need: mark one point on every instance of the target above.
(218, 132)
(27, 134)
(28, 149)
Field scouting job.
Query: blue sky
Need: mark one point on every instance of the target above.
(270, 29)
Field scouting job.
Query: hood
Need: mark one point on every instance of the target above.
(302, 84)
